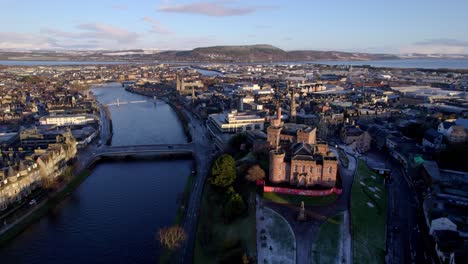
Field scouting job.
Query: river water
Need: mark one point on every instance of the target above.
(115, 213)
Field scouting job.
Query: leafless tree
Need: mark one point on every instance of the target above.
(172, 237)
(255, 173)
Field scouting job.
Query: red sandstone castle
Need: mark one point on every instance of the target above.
(297, 158)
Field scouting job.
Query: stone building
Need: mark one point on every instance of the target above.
(297, 158)
(18, 181)
(20, 178)
(356, 138)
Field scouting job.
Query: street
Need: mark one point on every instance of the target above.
(202, 153)
(406, 239)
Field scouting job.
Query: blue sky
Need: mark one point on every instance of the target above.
(351, 25)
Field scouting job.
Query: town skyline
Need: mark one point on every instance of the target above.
(367, 27)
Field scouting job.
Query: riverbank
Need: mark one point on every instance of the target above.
(42, 208)
(73, 176)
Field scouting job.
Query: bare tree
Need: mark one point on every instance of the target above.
(255, 173)
(172, 237)
(49, 183)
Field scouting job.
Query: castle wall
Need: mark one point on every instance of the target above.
(330, 170)
(322, 148)
(307, 137)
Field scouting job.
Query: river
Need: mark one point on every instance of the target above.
(114, 215)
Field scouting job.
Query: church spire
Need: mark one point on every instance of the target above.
(293, 105)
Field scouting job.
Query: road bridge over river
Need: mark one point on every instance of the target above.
(90, 155)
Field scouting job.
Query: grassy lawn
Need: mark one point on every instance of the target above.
(218, 240)
(44, 208)
(327, 245)
(368, 216)
(296, 199)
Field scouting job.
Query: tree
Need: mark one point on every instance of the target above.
(237, 140)
(255, 173)
(172, 237)
(223, 172)
(49, 183)
(234, 207)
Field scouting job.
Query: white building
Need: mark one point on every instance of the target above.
(68, 120)
(233, 122)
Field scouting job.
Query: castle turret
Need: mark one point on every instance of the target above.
(274, 130)
(277, 166)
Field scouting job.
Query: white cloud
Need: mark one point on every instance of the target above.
(222, 9)
(156, 26)
(120, 7)
(104, 31)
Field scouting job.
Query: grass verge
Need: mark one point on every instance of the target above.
(166, 255)
(368, 216)
(297, 199)
(327, 245)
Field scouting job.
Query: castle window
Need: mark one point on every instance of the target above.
(303, 168)
(330, 170)
(311, 169)
(295, 168)
(318, 170)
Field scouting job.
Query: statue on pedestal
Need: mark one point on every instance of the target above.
(302, 215)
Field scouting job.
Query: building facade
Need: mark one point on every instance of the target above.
(297, 158)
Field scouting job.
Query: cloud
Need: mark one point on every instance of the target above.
(84, 36)
(104, 31)
(222, 9)
(437, 46)
(120, 7)
(9, 40)
(156, 26)
(443, 42)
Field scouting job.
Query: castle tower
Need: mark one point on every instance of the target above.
(274, 130)
(307, 136)
(277, 166)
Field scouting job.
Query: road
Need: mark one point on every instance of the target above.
(407, 240)
(203, 148)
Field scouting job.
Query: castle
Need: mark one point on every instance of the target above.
(296, 156)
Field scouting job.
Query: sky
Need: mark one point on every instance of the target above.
(375, 26)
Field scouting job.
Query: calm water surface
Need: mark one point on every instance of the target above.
(114, 215)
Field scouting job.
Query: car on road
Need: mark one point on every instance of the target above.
(170, 147)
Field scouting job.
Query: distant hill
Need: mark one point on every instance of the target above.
(267, 53)
(249, 53)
